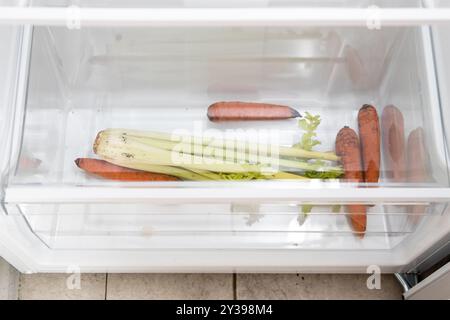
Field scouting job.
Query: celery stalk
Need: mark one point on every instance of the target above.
(234, 156)
(144, 149)
(213, 142)
(173, 171)
(130, 150)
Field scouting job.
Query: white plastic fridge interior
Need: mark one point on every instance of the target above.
(67, 85)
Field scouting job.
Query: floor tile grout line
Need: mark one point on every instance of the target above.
(106, 286)
(234, 286)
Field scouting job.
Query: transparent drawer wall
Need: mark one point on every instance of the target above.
(163, 79)
(220, 225)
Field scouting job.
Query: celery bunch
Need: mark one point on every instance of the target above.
(199, 158)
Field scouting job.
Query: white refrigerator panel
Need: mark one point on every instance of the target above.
(63, 85)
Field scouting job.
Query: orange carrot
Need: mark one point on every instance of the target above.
(393, 132)
(369, 133)
(242, 111)
(417, 168)
(349, 149)
(111, 171)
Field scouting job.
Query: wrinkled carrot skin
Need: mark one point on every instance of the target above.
(393, 140)
(417, 169)
(111, 171)
(246, 111)
(369, 133)
(417, 158)
(348, 148)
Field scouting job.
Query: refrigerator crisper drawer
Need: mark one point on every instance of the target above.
(81, 82)
(76, 83)
(214, 226)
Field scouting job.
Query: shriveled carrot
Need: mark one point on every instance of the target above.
(111, 171)
(369, 133)
(417, 167)
(236, 110)
(348, 148)
(417, 157)
(393, 133)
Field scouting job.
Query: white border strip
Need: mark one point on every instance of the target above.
(75, 17)
(19, 194)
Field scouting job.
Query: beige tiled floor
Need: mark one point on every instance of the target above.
(170, 286)
(314, 286)
(56, 286)
(9, 279)
(207, 286)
